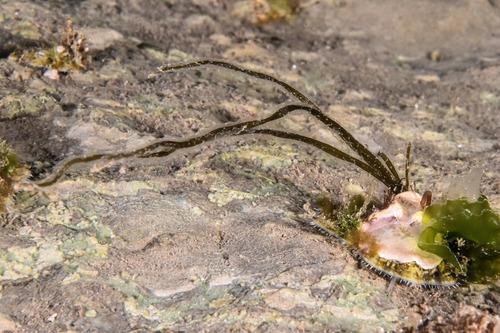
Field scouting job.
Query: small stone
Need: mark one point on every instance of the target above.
(101, 39)
(287, 299)
(6, 323)
(427, 78)
(91, 313)
(221, 39)
(52, 74)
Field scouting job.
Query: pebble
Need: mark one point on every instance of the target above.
(6, 323)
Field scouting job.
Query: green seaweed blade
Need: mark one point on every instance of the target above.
(466, 234)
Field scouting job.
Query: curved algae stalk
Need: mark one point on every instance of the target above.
(379, 166)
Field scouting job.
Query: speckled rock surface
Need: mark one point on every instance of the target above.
(217, 237)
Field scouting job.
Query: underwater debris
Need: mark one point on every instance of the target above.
(409, 240)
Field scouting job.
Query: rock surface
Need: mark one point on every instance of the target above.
(217, 237)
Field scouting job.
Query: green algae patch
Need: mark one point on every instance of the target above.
(26, 30)
(279, 157)
(222, 195)
(344, 221)
(268, 156)
(57, 213)
(353, 309)
(69, 54)
(150, 105)
(490, 98)
(138, 307)
(18, 262)
(140, 304)
(83, 245)
(466, 234)
(87, 239)
(82, 272)
(265, 11)
(11, 171)
(82, 221)
(76, 218)
(218, 303)
(30, 103)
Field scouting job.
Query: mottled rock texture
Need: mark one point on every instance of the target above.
(218, 237)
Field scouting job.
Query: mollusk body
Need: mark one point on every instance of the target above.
(393, 233)
(388, 240)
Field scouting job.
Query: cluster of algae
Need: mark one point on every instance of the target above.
(69, 54)
(11, 171)
(266, 11)
(465, 234)
(271, 10)
(344, 221)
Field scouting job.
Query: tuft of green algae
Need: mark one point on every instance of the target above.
(266, 11)
(29, 103)
(69, 54)
(345, 221)
(11, 171)
(466, 234)
(272, 10)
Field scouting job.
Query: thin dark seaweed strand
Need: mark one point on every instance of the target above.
(225, 130)
(326, 148)
(64, 165)
(55, 176)
(389, 170)
(355, 145)
(407, 169)
(297, 94)
(386, 174)
(244, 128)
(221, 131)
(174, 145)
(389, 164)
(235, 129)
